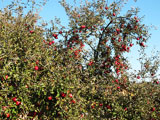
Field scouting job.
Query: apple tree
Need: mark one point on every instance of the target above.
(78, 71)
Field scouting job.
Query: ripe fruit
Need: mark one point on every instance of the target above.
(55, 36)
(118, 87)
(90, 63)
(108, 107)
(7, 115)
(4, 108)
(135, 27)
(128, 48)
(6, 76)
(14, 99)
(114, 14)
(131, 45)
(119, 40)
(18, 103)
(63, 94)
(116, 80)
(83, 26)
(113, 38)
(106, 8)
(60, 32)
(26, 86)
(36, 67)
(138, 77)
(92, 106)
(50, 43)
(142, 44)
(100, 104)
(50, 98)
(31, 31)
(135, 17)
(70, 95)
(157, 82)
(117, 30)
(82, 115)
(37, 62)
(73, 101)
(122, 26)
(153, 109)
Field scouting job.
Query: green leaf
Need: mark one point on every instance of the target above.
(11, 88)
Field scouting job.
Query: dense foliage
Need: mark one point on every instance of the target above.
(75, 72)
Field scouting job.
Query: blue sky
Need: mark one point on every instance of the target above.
(148, 8)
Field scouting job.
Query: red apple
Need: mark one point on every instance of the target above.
(135, 27)
(63, 94)
(55, 36)
(138, 77)
(37, 62)
(83, 26)
(135, 17)
(131, 45)
(4, 107)
(73, 101)
(60, 32)
(100, 104)
(6, 76)
(70, 95)
(157, 82)
(108, 107)
(116, 80)
(119, 40)
(36, 67)
(18, 103)
(7, 115)
(153, 109)
(142, 44)
(118, 87)
(14, 99)
(50, 98)
(31, 31)
(114, 14)
(82, 115)
(50, 43)
(92, 106)
(26, 86)
(117, 30)
(90, 63)
(106, 8)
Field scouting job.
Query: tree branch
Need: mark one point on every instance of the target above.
(100, 39)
